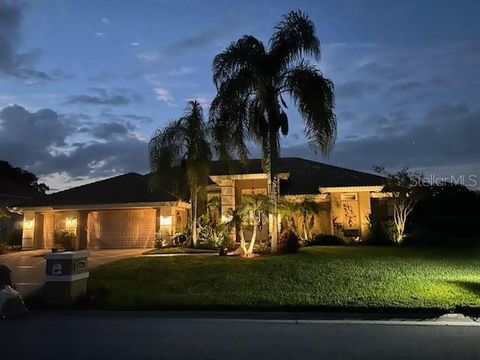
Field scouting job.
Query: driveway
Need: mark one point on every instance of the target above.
(28, 267)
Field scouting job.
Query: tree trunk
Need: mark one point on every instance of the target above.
(252, 241)
(273, 189)
(243, 244)
(194, 218)
(305, 234)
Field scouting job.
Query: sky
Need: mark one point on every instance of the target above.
(84, 84)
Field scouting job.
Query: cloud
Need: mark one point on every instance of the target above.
(149, 56)
(353, 89)
(111, 130)
(44, 142)
(103, 159)
(10, 21)
(135, 43)
(164, 95)
(101, 97)
(182, 71)
(441, 137)
(27, 138)
(100, 34)
(105, 21)
(195, 41)
(12, 62)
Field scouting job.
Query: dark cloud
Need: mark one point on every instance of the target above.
(28, 138)
(102, 159)
(110, 130)
(101, 97)
(441, 137)
(202, 38)
(13, 63)
(10, 21)
(41, 142)
(353, 89)
(141, 118)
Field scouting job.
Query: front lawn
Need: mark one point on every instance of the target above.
(179, 250)
(371, 277)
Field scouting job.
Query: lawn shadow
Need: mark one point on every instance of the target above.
(472, 286)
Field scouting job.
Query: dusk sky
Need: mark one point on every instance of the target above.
(84, 84)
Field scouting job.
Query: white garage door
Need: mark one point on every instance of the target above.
(121, 229)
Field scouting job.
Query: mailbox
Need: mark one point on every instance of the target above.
(66, 277)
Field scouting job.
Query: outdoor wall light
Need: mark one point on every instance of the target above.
(28, 224)
(70, 222)
(166, 220)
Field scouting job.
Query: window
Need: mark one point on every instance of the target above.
(349, 196)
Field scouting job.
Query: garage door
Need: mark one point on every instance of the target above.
(121, 229)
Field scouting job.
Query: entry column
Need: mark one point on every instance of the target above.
(82, 230)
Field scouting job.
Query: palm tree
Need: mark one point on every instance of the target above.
(308, 209)
(182, 148)
(235, 221)
(252, 80)
(259, 206)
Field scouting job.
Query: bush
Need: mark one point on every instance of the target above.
(64, 239)
(212, 235)
(288, 242)
(380, 232)
(3, 248)
(324, 239)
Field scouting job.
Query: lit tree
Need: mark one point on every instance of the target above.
(258, 205)
(252, 80)
(404, 187)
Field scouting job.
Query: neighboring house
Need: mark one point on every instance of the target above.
(13, 194)
(121, 211)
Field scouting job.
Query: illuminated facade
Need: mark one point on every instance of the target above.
(121, 212)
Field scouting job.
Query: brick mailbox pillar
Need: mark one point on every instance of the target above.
(66, 277)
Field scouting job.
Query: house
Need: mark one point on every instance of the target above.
(11, 222)
(122, 212)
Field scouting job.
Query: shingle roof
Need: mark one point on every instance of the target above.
(306, 176)
(128, 188)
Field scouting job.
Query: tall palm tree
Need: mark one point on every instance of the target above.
(182, 148)
(252, 80)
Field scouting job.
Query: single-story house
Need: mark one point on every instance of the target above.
(122, 212)
(13, 194)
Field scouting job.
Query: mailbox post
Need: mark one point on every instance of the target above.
(66, 277)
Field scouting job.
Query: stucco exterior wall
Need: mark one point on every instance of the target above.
(119, 228)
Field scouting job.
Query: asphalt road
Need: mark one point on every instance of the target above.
(112, 335)
(28, 267)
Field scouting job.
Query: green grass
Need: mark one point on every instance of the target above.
(370, 277)
(179, 250)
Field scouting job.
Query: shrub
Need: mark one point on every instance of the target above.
(212, 235)
(3, 248)
(324, 239)
(288, 242)
(64, 239)
(380, 232)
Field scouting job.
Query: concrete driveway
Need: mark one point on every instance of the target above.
(28, 267)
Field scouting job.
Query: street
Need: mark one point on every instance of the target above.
(156, 335)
